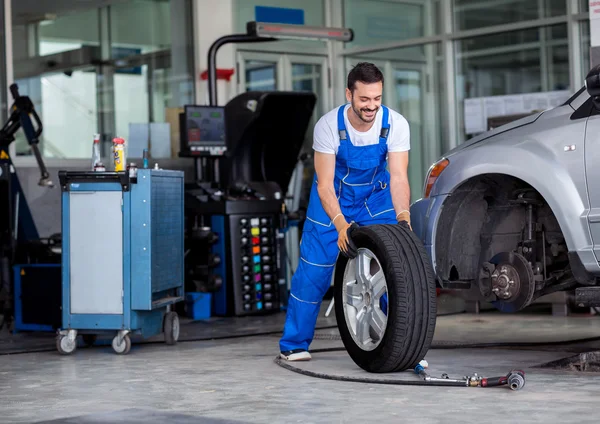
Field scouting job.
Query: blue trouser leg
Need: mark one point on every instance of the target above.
(318, 254)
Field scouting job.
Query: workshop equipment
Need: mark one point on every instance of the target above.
(18, 234)
(37, 297)
(123, 257)
(245, 155)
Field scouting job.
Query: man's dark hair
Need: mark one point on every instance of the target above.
(365, 72)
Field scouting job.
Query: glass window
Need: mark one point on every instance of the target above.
(584, 6)
(133, 66)
(585, 47)
(383, 21)
(161, 78)
(470, 14)
(521, 62)
(261, 76)
(64, 97)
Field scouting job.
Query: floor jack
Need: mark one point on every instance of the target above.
(16, 222)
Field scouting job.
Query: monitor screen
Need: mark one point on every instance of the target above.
(205, 125)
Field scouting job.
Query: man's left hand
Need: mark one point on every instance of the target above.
(404, 216)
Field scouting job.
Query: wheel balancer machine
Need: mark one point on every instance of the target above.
(245, 154)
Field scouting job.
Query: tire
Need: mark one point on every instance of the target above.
(171, 328)
(411, 299)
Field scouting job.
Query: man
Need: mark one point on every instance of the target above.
(353, 144)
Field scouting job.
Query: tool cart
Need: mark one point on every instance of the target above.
(123, 255)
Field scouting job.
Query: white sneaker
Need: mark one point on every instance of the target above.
(296, 355)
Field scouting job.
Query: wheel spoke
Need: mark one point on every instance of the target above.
(354, 289)
(378, 321)
(355, 301)
(354, 295)
(362, 327)
(363, 263)
(378, 284)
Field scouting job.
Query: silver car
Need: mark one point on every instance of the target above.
(514, 214)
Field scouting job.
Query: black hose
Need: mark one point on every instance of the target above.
(284, 364)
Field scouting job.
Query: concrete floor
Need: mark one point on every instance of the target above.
(236, 380)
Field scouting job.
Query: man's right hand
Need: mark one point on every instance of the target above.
(345, 243)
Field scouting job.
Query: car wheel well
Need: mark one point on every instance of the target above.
(481, 219)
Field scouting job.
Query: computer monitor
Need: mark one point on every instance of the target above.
(202, 130)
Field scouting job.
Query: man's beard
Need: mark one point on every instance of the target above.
(359, 113)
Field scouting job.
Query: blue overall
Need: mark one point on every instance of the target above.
(361, 183)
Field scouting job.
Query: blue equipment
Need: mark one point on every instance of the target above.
(123, 255)
(364, 196)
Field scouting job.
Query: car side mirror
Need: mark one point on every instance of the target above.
(592, 84)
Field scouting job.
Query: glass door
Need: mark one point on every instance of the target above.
(260, 72)
(408, 100)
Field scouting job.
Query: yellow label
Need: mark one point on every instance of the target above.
(119, 157)
(255, 231)
(3, 155)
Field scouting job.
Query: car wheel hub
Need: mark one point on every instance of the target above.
(505, 282)
(365, 291)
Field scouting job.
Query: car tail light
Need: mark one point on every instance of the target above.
(433, 173)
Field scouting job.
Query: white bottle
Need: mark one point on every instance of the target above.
(96, 151)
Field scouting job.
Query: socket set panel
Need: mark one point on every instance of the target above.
(255, 264)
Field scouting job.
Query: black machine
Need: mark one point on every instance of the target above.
(245, 153)
(19, 239)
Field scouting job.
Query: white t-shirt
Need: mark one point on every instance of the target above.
(326, 138)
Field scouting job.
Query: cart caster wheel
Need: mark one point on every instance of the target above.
(124, 347)
(89, 339)
(65, 346)
(171, 328)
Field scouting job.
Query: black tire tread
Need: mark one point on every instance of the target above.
(406, 264)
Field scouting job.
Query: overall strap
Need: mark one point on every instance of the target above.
(341, 124)
(385, 125)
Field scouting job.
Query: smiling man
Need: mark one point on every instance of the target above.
(354, 144)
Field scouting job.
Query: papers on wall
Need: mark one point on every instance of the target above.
(478, 110)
